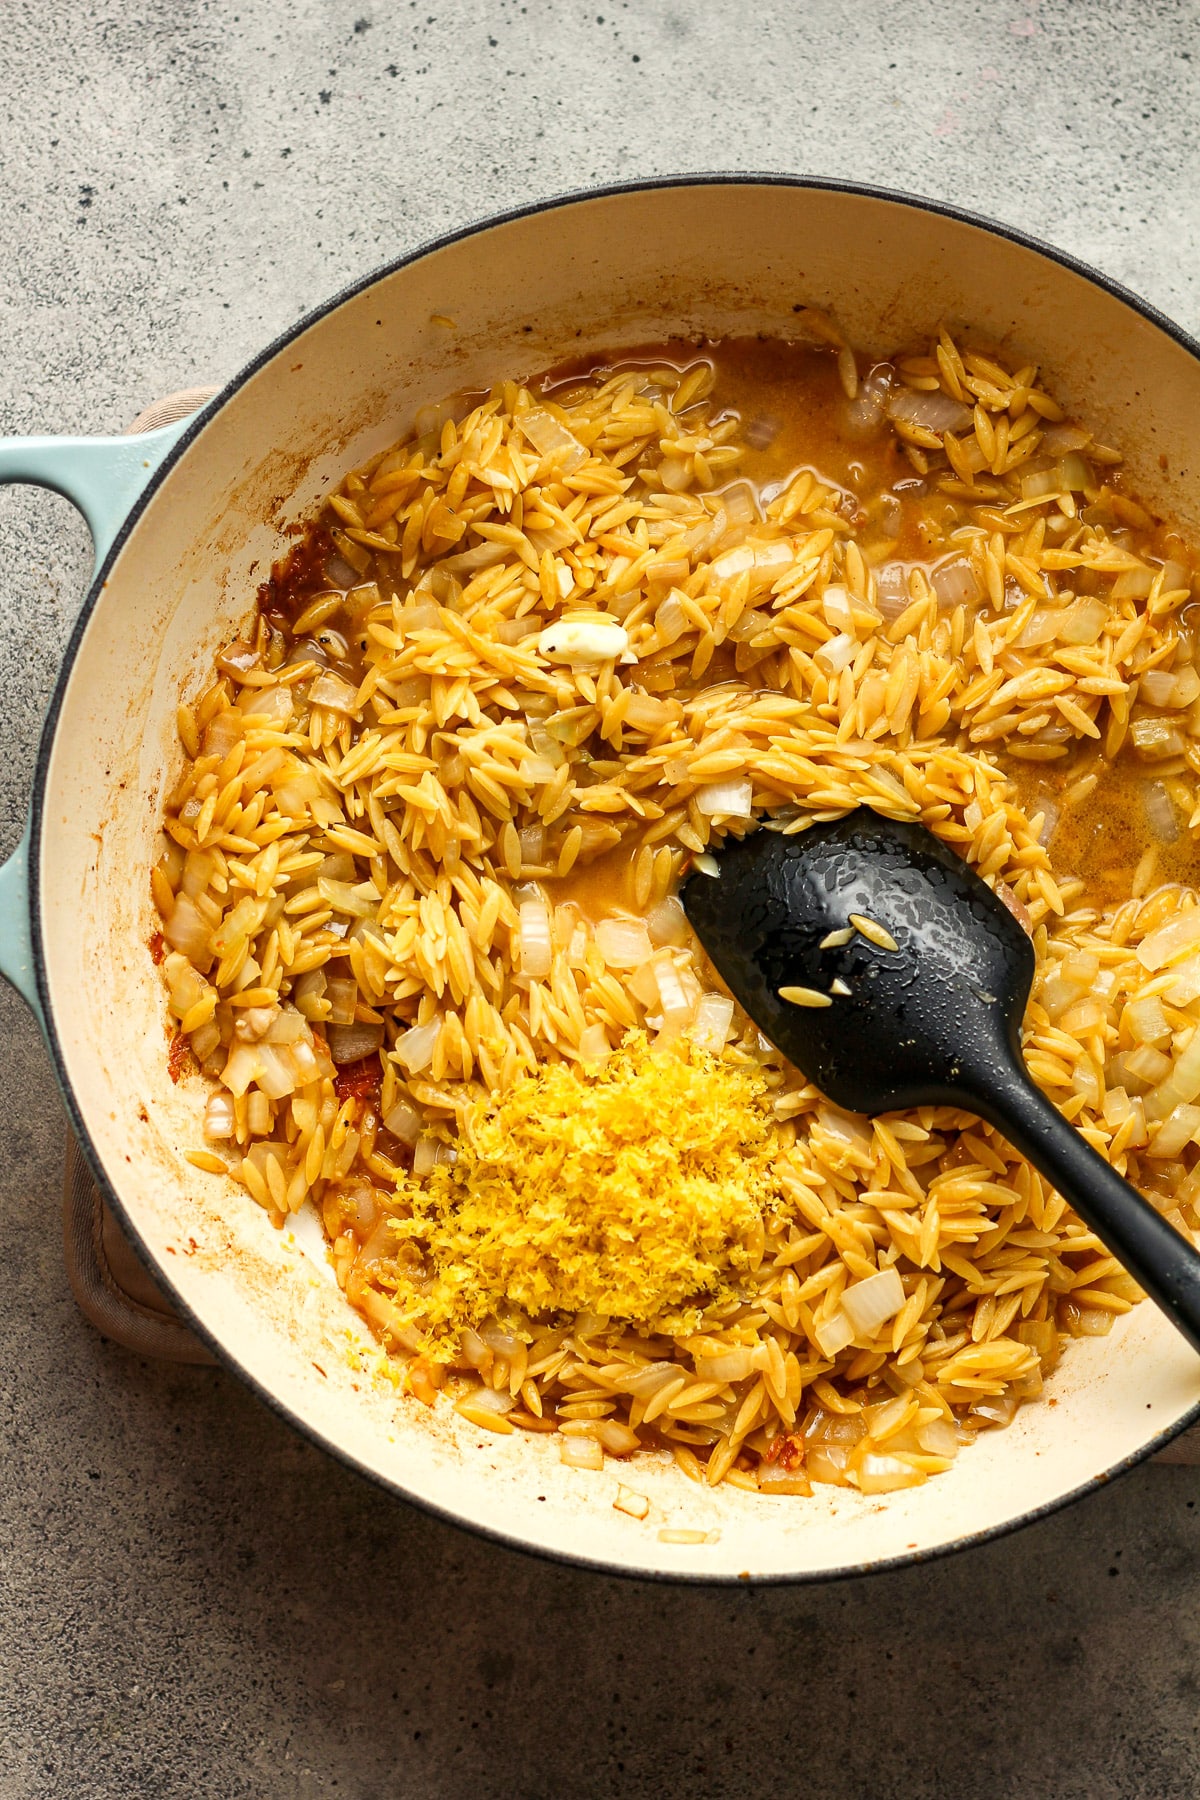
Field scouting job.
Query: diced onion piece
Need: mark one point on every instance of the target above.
(1180, 933)
(1156, 739)
(617, 1439)
(533, 838)
(350, 1043)
(583, 640)
(1040, 482)
(1084, 621)
(773, 1478)
(415, 1047)
(1042, 626)
(1133, 584)
(676, 1004)
(837, 607)
(955, 584)
(1170, 688)
(1186, 986)
(331, 692)
(1160, 813)
(491, 1400)
(1177, 1129)
(188, 931)
(834, 1334)
(938, 1438)
(342, 995)
(273, 703)
(737, 561)
(871, 1303)
(733, 799)
(667, 922)
(879, 1474)
(710, 1027)
(550, 437)
(218, 1115)
(581, 1452)
(1181, 1086)
(837, 653)
(242, 1068)
(536, 946)
(425, 1155)
(404, 1122)
(731, 1365)
(475, 1409)
(706, 864)
(623, 943)
(1176, 575)
(929, 411)
(276, 1076)
(1147, 1021)
(670, 621)
(636, 1505)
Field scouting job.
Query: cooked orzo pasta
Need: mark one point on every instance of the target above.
(418, 885)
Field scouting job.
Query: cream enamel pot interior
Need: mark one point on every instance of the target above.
(187, 521)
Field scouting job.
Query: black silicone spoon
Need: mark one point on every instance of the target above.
(933, 1021)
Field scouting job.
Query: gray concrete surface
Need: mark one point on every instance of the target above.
(193, 1602)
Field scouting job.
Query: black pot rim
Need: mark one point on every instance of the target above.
(576, 197)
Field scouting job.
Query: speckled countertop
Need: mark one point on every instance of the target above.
(193, 1601)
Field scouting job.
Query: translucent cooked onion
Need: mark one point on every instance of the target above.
(616, 1439)
(350, 1043)
(415, 1048)
(623, 943)
(535, 946)
(667, 922)
(188, 931)
(342, 995)
(550, 437)
(837, 653)
(731, 1365)
(928, 411)
(1160, 813)
(533, 840)
(834, 1334)
(710, 1027)
(871, 1303)
(881, 1474)
(1176, 1130)
(1084, 621)
(891, 586)
(331, 692)
(1180, 933)
(404, 1122)
(218, 1115)
(864, 413)
(836, 605)
(734, 799)
(581, 1452)
(670, 621)
(954, 583)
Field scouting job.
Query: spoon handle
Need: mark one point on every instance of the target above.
(1158, 1257)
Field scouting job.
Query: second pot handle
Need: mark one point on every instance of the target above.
(102, 476)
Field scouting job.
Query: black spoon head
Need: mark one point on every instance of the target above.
(931, 1021)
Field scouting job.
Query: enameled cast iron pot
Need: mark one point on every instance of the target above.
(186, 522)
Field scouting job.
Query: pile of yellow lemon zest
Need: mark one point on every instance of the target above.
(635, 1191)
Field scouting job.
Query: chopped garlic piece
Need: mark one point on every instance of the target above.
(578, 640)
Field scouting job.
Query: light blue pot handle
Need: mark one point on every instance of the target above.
(102, 477)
